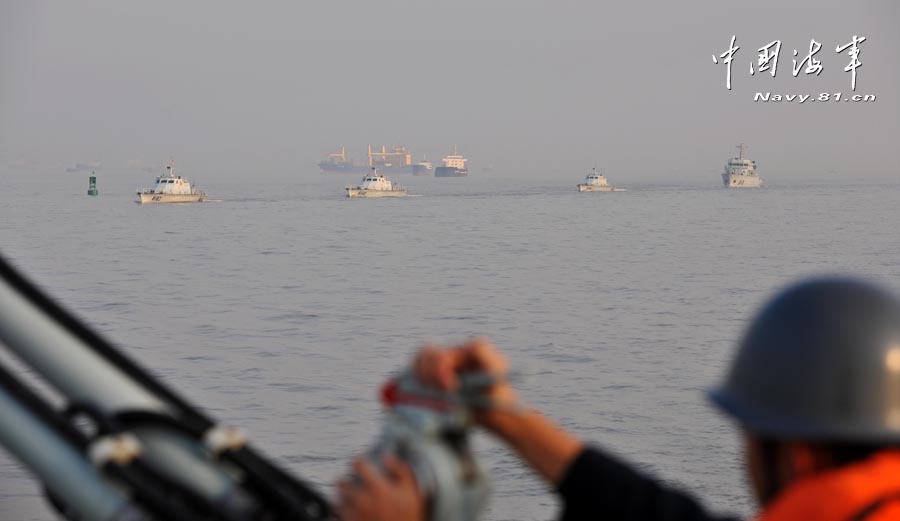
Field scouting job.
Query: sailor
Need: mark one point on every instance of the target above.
(815, 389)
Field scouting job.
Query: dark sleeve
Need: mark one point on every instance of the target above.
(597, 486)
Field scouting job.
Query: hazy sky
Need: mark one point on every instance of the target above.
(527, 88)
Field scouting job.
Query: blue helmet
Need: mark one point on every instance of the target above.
(821, 361)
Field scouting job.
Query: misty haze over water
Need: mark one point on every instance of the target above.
(534, 89)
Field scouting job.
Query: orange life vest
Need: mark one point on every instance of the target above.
(864, 491)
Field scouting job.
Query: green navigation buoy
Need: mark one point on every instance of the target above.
(92, 187)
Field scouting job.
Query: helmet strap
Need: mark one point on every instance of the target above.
(771, 481)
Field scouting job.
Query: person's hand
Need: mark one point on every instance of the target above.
(441, 367)
(548, 448)
(391, 496)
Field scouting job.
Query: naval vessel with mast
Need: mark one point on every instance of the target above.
(740, 172)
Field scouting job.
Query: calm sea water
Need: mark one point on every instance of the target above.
(283, 310)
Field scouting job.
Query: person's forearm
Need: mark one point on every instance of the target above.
(542, 444)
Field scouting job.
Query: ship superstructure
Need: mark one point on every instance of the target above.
(740, 172)
(454, 166)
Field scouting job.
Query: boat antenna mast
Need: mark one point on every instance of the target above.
(741, 148)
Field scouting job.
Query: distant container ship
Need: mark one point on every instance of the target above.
(397, 160)
(454, 166)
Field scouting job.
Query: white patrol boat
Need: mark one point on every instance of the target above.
(595, 182)
(170, 188)
(740, 172)
(375, 185)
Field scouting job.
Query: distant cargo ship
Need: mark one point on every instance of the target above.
(423, 167)
(454, 166)
(397, 160)
(338, 162)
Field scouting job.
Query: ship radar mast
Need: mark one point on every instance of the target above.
(741, 148)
